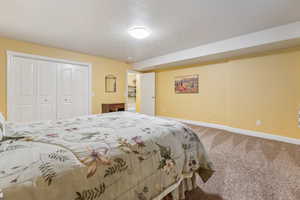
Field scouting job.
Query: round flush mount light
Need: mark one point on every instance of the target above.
(139, 32)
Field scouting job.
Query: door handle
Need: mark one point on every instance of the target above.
(68, 100)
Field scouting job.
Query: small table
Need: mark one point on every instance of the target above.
(113, 107)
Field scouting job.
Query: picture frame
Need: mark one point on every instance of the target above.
(188, 84)
(110, 83)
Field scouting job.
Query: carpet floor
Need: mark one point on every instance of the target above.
(248, 168)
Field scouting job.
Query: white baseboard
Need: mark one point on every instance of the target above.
(268, 136)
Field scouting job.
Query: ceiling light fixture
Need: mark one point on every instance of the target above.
(139, 32)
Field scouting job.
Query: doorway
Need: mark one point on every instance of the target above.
(132, 77)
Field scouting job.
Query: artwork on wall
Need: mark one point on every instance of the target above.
(110, 83)
(186, 84)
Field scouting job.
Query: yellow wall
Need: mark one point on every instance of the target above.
(101, 67)
(238, 92)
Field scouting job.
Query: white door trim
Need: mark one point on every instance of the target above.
(263, 135)
(11, 54)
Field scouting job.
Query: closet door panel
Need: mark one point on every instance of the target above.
(80, 90)
(65, 91)
(23, 90)
(73, 91)
(25, 113)
(47, 72)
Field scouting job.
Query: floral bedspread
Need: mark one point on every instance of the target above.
(115, 156)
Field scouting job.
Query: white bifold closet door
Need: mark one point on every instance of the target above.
(23, 90)
(46, 90)
(72, 91)
(33, 90)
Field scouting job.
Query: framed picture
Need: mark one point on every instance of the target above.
(110, 83)
(186, 84)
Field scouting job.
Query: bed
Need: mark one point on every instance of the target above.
(113, 156)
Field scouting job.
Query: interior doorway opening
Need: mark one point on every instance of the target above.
(132, 77)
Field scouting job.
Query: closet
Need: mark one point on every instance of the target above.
(41, 88)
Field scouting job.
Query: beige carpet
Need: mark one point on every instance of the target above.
(249, 168)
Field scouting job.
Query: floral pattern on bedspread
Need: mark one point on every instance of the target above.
(113, 156)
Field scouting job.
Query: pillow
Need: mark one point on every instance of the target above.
(2, 126)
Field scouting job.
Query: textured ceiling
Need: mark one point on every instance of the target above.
(99, 27)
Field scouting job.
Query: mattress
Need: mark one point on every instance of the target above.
(114, 156)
